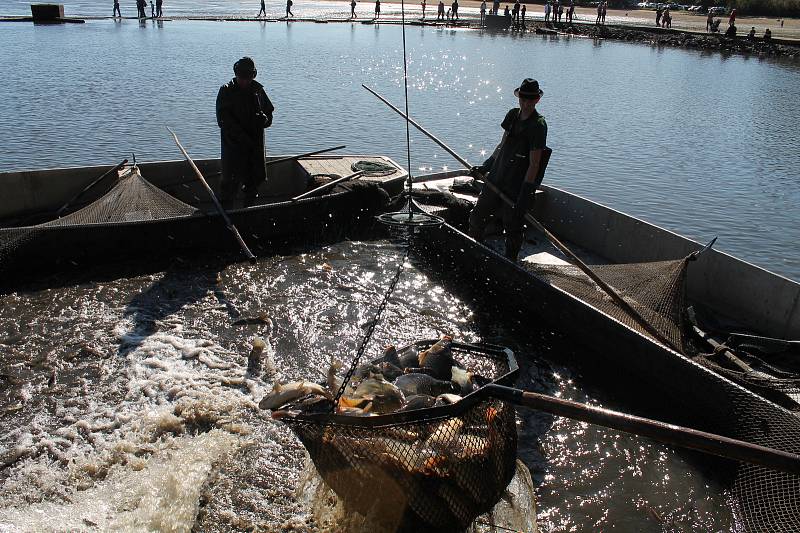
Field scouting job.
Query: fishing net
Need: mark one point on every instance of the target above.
(132, 199)
(656, 290)
(373, 168)
(432, 469)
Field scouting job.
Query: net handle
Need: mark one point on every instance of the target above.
(693, 439)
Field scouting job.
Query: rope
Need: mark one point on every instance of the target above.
(371, 326)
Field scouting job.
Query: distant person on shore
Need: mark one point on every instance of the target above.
(514, 168)
(159, 5)
(377, 9)
(515, 12)
(440, 11)
(781, 23)
(751, 34)
(571, 11)
(424, 5)
(117, 12)
(732, 17)
(767, 36)
(554, 15)
(666, 19)
(709, 21)
(455, 9)
(152, 9)
(140, 9)
(449, 13)
(731, 31)
(599, 12)
(547, 11)
(506, 13)
(659, 12)
(353, 9)
(560, 12)
(289, 8)
(263, 10)
(483, 12)
(604, 8)
(244, 111)
(523, 16)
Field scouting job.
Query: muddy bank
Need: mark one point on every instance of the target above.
(675, 38)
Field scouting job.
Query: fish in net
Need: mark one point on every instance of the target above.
(420, 466)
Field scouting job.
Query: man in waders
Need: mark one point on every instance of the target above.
(243, 112)
(515, 167)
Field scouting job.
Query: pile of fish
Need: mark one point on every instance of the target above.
(396, 381)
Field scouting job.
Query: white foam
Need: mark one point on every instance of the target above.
(159, 494)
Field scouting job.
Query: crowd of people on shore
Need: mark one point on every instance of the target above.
(141, 9)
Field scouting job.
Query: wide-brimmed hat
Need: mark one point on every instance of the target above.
(245, 68)
(529, 88)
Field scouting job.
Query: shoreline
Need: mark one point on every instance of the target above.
(688, 30)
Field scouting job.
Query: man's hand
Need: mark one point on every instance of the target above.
(264, 120)
(523, 201)
(477, 173)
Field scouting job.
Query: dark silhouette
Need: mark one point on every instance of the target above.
(289, 8)
(767, 36)
(440, 11)
(731, 31)
(377, 9)
(353, 9)
(117, 12)
(263, 10)
(159, 12)
(243, 112)
(455, 9)
(515, 167)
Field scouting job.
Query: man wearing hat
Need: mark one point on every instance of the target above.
(243, 112)
(516, 167)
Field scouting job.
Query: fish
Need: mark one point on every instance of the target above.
(445, 432)
(334, 383)
(418, 401)
(462, 378)
(388, 370)
(412, 384)
(261, 318)
(376, 385)
(438, 358)
(254, 358)
(389, 356)
(314, 403)
(446, 399)
(283, 394)
(409, 358)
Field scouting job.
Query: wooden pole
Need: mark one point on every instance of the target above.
(300, 156)
(667, 433)
(213, 196)
(328, 185)
(638, 318)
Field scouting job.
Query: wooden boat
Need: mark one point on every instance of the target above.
(745, 297)
(187, 221)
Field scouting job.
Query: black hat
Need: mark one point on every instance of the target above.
(245, 68)
(529, 88)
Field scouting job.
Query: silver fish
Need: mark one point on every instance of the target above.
(283, 394)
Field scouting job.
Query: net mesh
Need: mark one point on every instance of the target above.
(132, 199)
(433, 469)
(655, 290)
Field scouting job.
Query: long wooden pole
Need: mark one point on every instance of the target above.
(213, 196)
(300, 156)
(328, 185)
(660, 431)
(635, 315)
